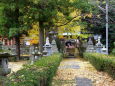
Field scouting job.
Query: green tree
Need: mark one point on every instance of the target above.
(46, 13)
(11, 25)
(21, 14)
(97, 22)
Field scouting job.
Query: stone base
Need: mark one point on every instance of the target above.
(5, 72)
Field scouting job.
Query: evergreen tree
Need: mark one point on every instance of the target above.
(10, 23)
(97, 22)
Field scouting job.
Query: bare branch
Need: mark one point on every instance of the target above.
(69, 21)
(102, 9)
(66, 22)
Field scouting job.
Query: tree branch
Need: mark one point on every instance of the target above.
(101, 8)
(104, 11)
(68, 21)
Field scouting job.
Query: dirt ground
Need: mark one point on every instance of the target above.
(15, 66)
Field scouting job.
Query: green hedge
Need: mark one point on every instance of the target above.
(38, 74)
(102, 62)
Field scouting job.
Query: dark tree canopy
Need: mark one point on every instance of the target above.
(21, 14)
(97, 23)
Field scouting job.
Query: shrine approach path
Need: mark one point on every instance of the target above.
(78, 72)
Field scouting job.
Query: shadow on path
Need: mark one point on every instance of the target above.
(83, 82)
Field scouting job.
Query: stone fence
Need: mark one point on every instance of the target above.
(24, 49)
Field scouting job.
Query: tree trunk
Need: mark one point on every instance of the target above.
(17, 39)
(46, 32)
(41, 38)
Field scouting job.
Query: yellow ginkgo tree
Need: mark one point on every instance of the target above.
(73, 28)
(33, 33)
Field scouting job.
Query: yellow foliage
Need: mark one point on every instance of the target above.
(74, 36)
(60, 36)
(76, 13)
(69, 29)
(88, 15)
(33, 34)
(33, 41)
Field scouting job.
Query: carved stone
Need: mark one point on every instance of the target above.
(104, 50)
(99, 45)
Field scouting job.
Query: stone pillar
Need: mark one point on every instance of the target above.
(32, 59)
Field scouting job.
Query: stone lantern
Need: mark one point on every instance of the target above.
(104, 50)
(99, 45)
(35, 55)
(4, 70)
(45, 52)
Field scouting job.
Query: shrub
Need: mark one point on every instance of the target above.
(102, 62)
(38, 74)
(2, 78)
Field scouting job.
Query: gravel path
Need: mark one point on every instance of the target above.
(77, 72)
(15, 66)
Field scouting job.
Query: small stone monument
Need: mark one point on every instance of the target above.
(48, 47)
(90, 46)
(104, 50)
(4, 70)
(99, 45)
(54, 46)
